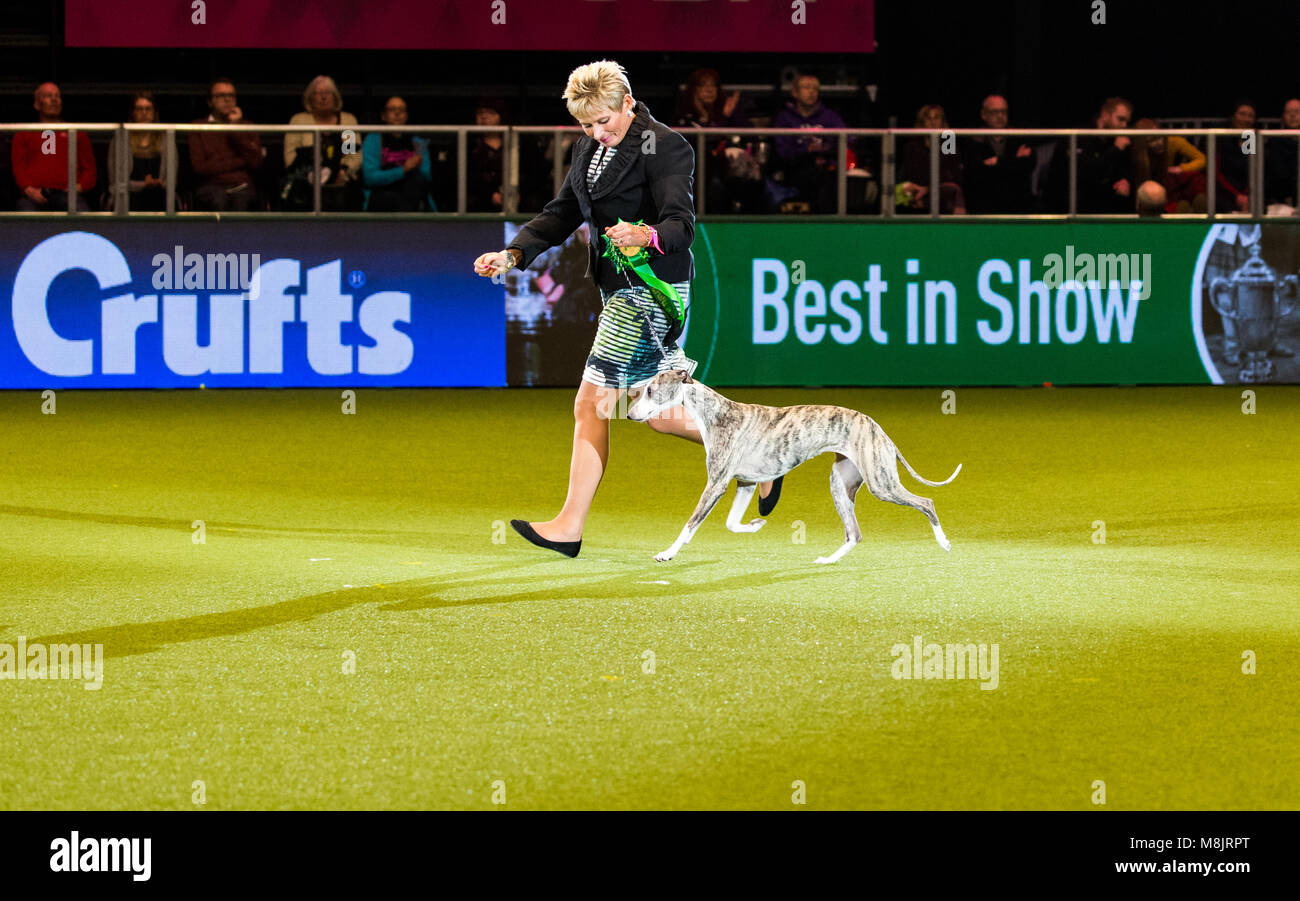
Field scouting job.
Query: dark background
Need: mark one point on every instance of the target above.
(1173, 60)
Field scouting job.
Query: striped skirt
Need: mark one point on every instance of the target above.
(624, 355)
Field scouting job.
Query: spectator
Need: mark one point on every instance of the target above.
(536, 165)
(225, 160)
(485, 169)
(1173, 163)
(997, 168)
(396, 166)
(1233, 177)
(340, 171)
(1151, 198)
(40, 160)
(8, 198)
(1280, 165)
(145, 171)
(1105, 176)
(809, 162)
(701, 105)
(916, 167)
(735, 178)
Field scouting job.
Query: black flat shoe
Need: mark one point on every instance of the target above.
(767, 504)
(567, 548)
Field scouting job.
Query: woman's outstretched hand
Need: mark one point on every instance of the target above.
(496, 262)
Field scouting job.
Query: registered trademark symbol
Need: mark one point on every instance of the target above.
(356, 278)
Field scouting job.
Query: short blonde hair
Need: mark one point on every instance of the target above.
(596, 86)
(322, 81)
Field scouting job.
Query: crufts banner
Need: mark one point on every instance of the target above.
(248, 304)
(749, 26)
(978, 303)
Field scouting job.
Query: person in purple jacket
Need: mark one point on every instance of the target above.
(809, 162)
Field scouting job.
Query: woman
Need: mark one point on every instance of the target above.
(486, 165)
(396, 166)
(735, 177)
(612, 185)
(1233, 177)
(146, 170)
(916, 168)
(700, 106)
(340, 160)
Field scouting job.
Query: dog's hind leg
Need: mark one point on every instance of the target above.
(713, 493)
(845, 482)
(744, 490)
(882, 481)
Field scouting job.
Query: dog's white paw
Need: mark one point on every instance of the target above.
(940, 537)
(752, 526)
(826, 560)
(663, 556)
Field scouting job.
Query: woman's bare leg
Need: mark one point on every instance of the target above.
(591, 412)
(678, 421)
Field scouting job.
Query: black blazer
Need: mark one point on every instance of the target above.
(650, 179)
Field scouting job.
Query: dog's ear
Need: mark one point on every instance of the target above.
(686, 376)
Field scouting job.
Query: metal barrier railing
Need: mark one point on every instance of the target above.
(510, 188)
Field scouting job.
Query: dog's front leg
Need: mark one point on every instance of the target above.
(744, 491)
(713, 493)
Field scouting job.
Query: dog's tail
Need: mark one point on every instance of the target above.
(921, 478)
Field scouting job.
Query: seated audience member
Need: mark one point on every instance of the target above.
(915, 182)
(8, 189)
(485, 168)
(1280, 162)
(809, 163)
(145, 171)
(340, 166)
(996, 168)
(536, 164)
(1233, 162)
(395, 166)
(225, 161)
(1175, 164)
(1105, 164)
(1151, 198)
(735, 179)
(40, 163)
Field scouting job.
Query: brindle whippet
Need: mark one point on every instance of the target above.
(752, 443)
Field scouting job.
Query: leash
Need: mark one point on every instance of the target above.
(646, 312)
(637, 259)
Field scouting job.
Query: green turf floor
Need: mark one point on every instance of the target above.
(481, 660)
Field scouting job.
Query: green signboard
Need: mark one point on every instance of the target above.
(994, 303)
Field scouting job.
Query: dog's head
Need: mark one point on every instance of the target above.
(664, 391)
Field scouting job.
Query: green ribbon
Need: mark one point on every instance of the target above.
(637, 259)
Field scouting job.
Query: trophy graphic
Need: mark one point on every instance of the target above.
(1251, 302)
